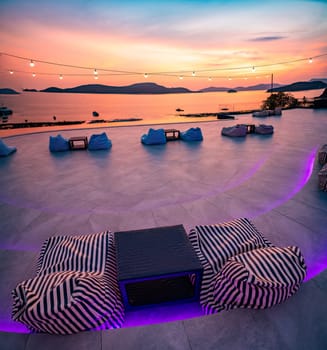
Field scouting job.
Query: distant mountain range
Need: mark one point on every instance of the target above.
(7, 91)
(153, 88)
(141, 88)
(301, 86)
(239, 88)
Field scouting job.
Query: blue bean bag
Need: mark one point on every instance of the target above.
(58, 144)
(154, 137)
(6, 150)
(99, 142)
(192, 134)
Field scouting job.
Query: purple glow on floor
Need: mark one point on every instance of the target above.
(316, 268)
(162, 313)
(13, 327)
(306, 174)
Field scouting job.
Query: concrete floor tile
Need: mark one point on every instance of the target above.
(165, 336)
(81, 341)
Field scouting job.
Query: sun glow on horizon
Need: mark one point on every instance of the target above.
(197, 41)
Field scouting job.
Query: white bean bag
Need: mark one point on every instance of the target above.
(235, 131)
(263, 129)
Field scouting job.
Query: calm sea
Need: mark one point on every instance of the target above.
(37, 106)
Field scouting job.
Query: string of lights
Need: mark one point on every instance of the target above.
(180, 74)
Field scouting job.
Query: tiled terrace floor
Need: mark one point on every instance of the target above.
(264, 178)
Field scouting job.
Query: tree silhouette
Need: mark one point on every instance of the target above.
(280, 99)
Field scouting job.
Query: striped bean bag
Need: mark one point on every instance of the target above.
(215, 244)
(257, 279)
(75, 289)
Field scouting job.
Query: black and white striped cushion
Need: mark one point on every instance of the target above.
(75, 289)
(257, 279)
(215, 244)
(220, 242)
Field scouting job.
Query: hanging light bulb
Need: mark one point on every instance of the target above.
(209, 78)
(95, 72)
(310, 60)
(11, 72)
(146, 75)
(61, 77)
(96, 77)
(229, 78)
(253, 69)
(32, 64)
(181, 77)
(33, 75)
(193, 74)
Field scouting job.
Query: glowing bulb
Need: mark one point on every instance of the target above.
(61, 77)
(145, 75)
(11, 72)
(33, 75)
(229, 78)
(181, 77)
(209, 78)
(96, 77)
(95, 72)
(32, 64)
(310, 60)
(193, 74)
(253, 69)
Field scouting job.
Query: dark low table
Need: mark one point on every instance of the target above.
(78, 142)
(250, 128)
(157, 265)
(172, 134)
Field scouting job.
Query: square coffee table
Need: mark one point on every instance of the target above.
(172, 134)
(78, 142)
(157, 265)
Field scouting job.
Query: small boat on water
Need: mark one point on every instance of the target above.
(5, 111)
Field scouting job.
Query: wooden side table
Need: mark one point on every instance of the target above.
(78, 142)
(172, 134)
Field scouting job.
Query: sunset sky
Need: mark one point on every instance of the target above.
(168, 39)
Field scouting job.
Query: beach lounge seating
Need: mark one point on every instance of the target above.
(242, 268)
(154, 137)
(322, 176)
(99, 142)
(322, 155)
(58, 144)
(239, 130)
(192, 134)
(6, 150)
(261, 114)
(76, 287)
(263, 129)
